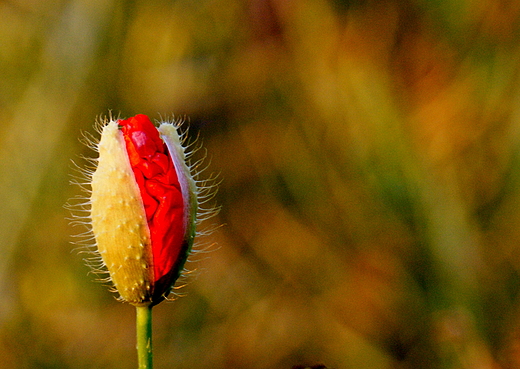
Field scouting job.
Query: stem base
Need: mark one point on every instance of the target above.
(144, 337)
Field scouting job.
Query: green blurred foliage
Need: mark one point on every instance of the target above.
(369, 152)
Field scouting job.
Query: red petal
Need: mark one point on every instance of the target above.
(162, 197)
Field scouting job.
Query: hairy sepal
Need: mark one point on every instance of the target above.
(171, 138)
(119, 220)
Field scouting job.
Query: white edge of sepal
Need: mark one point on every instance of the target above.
(172, 139)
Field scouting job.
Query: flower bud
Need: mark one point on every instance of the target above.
(143, 207)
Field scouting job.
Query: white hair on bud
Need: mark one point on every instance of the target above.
(205, 191)
(80, 206)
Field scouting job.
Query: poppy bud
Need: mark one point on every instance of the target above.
(143, 207)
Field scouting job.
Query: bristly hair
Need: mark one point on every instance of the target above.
(80, 205)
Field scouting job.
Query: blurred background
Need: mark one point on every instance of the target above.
(370, 166)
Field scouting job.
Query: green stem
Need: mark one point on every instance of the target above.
(144, 337)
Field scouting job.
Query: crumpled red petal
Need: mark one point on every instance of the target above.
(162, 197)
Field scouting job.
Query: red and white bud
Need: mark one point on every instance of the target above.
(143, 207)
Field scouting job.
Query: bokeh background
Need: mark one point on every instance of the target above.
(370, 195)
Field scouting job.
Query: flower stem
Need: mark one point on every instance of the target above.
(144, 337)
